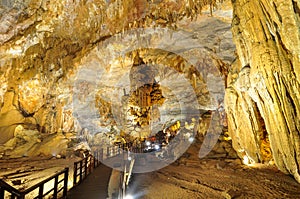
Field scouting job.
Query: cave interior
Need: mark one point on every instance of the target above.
(197, 98)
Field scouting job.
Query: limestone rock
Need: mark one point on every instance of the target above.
(31, 96)
(263, 104)
(31, 143)
(8, 123)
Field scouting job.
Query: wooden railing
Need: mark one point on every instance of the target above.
(59, 190)
(82, 169)
(98, 157)
(112, 151)
(138, 149)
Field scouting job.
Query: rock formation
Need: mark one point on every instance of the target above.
(262, 97)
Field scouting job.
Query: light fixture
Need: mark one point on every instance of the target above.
(191, 139)
(128, 197)
(148, 143)
(248, 161)
(245, 160)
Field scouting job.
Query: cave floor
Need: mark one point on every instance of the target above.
(191, 177)
(214, 178)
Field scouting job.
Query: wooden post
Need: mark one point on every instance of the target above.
(65, 190)
(85, 166)
(22, 196)
(107, 153)
(101, 154)
(91, 164)
(75, 174)
(98, 157)
(1, 192)
(95, 159)
(55, 187)
(41, 191)
(80, 177)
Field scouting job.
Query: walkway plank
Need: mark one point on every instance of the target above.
(95, 186)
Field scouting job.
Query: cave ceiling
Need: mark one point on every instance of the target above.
(56, 55)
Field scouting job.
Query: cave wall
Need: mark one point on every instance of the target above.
(262, 98)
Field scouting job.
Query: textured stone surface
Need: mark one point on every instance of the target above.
(44, 46)
(31, 143)
(263, 94)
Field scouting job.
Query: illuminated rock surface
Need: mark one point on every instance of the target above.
(263, 91)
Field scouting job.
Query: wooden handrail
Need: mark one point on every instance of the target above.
(84, 167)
(21, 194)
(6, 187)
(98, 157)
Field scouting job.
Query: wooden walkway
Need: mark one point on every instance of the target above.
(95, 186)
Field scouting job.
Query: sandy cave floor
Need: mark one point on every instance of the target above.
(191, 177)
(211, 178)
